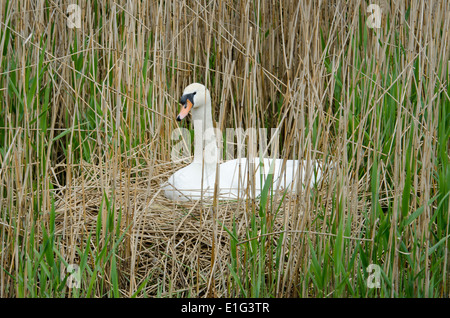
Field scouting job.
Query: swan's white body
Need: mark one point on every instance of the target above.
(186, 183)
(191, 183)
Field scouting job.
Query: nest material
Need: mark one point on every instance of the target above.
(170, 244)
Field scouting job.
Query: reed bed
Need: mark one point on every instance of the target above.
(86, 136)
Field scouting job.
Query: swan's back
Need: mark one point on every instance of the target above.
(186, 184)
(234, 176)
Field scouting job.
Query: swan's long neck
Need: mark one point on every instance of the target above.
(205, 146)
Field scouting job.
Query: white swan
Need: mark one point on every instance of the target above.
(191, 183)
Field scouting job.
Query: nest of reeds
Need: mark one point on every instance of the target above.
(176, 249)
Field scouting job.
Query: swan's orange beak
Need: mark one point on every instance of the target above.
(185, 110)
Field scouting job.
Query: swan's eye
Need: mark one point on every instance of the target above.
(187, 97)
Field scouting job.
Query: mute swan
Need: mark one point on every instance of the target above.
(191, 183)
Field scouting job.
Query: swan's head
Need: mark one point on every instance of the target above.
(194, 96)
